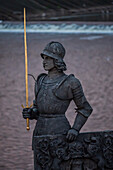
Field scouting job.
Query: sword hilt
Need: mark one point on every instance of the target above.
(27, 120)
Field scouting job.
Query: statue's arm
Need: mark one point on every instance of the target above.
(34, 110)
(83, 108)
(31, 113)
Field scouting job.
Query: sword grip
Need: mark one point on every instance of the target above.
(27, 121)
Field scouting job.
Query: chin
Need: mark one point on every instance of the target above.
(46, 69)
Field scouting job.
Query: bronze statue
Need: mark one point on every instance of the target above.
(53, 93)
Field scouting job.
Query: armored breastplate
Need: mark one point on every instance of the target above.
(47, 102)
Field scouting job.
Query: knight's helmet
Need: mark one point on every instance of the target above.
(54, 50)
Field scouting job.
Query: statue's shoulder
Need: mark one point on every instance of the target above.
(73, 81)
(41, 77)
(38, 83)
(64, 89)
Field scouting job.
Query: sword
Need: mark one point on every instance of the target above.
(26, 70)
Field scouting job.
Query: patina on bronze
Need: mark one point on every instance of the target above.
(53, 94)
(57, 145)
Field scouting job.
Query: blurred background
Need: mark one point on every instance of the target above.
(72, 10)
(85, 28)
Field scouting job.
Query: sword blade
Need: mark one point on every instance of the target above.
(26, 66)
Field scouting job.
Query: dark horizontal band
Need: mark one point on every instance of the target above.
(51, 115)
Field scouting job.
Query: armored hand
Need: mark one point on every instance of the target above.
(31, 113)
(79, 122)
(72, 135)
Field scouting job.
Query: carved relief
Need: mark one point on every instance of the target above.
(91, 151)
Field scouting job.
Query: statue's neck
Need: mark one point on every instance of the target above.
(54, 73)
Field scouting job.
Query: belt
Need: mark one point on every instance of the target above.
(52, 115)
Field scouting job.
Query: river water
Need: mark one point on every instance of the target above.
(57, 27)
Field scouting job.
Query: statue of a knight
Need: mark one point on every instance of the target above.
(53, 93)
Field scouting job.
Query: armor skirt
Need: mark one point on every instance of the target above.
(51, 125)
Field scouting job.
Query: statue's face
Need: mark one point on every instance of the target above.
(48, 63)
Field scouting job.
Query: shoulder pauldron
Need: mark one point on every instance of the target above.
(38, 83)
(63, 90)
